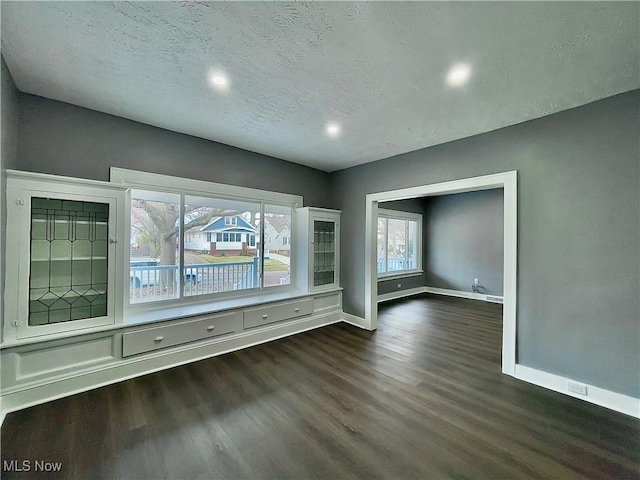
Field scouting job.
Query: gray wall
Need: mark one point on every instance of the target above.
(464, 240)
(8, 122)
(578, 232)
(59, 138)
(8, 155)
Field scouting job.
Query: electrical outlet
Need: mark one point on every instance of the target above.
(476, 281)
(577, 388)
(399, 285)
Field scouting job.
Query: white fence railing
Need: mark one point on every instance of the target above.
(151, 283)
(395, 264)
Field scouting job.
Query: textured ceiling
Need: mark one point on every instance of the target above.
(376, 68)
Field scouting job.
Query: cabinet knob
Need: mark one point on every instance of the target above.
(210, 328)
(296, 309)
(158, 339)
(265, 316)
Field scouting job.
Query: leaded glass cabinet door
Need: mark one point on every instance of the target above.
(66, 266)
(69, 256)
(323, 240)
(324, 253)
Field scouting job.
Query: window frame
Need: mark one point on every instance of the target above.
(405, 216)
(189, 187)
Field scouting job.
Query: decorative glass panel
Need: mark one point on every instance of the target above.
(324, 245)
(69, 258)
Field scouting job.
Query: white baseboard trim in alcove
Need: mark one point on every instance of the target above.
(462, 294)
(386, 297)
(596, 395)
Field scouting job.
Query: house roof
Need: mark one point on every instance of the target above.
(218, 225)
(279, 223)
(378, 69)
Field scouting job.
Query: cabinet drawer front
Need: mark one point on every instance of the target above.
(155, 338)
(277, 313)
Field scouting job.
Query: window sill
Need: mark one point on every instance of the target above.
(396, 275)
(133, 318)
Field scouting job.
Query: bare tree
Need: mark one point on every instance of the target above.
(164, 217)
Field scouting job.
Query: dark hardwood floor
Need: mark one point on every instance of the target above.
(423, 397)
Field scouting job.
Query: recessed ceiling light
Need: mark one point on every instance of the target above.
(218, 80)
(333, 129)
(459, 75)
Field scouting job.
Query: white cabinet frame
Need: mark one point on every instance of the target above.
(305, 218)
(22, 187)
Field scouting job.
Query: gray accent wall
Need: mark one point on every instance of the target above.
(578, 311)
(8, 122)
(8, 156)
(463, 240)
(63, 139)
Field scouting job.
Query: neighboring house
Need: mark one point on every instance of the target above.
(277, 235)
(195, 239)
(231, 235)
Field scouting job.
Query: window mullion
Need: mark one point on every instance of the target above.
(263, 247)
(406, 245)
(386, 245)
(181, 268)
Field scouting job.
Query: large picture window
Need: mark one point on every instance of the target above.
(203, 239)
(399, 243)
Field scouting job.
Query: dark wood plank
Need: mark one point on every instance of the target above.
(422, 397)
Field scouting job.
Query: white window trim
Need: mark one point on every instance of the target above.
(417, 217)
(184, 186)
(167, 183)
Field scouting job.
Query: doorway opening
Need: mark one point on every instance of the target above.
(508, 182)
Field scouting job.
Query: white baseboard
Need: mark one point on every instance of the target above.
(385, 297)
(461, 294)
(353, 320)
(599, 396)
